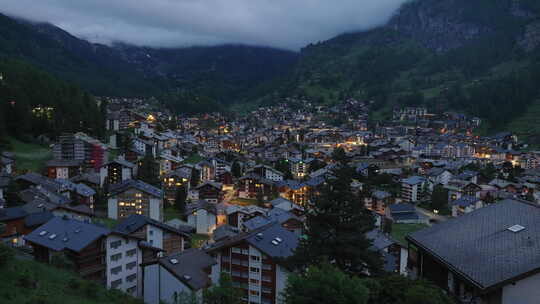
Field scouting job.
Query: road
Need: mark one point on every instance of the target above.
(432, 216)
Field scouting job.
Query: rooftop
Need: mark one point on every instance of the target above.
(480, 246)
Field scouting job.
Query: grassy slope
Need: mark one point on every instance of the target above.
(52, 285)
(30, 156)
(399, 231)
(527, 126)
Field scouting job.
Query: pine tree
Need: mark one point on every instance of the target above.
(325, 284)
(236, 170)
(148, 171)
(224, 293)
(180, 199)
(337, 224)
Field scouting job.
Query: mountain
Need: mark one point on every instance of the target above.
(477, 56)
(222, 72)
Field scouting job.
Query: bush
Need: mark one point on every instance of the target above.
(91, 289)
(6, 255)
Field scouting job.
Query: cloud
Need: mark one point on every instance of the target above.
(289, 24)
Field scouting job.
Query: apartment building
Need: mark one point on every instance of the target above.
(96, 253)
(117, 171)
(135, 197)
(412, 188)
(254, 261)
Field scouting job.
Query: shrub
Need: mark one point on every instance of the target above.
(6, 254)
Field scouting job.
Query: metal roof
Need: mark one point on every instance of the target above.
(480, 246)
(68, 234)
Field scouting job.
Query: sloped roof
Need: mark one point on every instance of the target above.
(68, 234)
(480, 246)
(135, 221)
(189, 267)
(136, 184)
(262, 238)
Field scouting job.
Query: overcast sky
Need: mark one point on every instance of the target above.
(289, 24)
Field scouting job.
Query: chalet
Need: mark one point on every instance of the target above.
(159, 235)
(237, 215)
(135, 197)
(254, 260)
(299, 167)
(117, 171)
(379, 201)
(64, 168)
(173, 181)
(80, 242)
(253, 185)
(12, 224)
(96, 252)
(203, 216)
(167, 279)
(267, 173)
(169, 160)
(287, 205)
(457, 189)
(210, 192)
(295, 191)
(465, 204)
(486, 256)
(286, 219)
(207, 170)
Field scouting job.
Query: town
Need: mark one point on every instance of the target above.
(165, 205)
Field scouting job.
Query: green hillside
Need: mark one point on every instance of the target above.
(33, 103)
(24, 281)
(527, 125)
(451, 58)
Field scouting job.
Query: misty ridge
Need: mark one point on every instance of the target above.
(166, 24)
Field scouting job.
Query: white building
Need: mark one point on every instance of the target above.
(202, 216)
(169, 279)
(123, 259)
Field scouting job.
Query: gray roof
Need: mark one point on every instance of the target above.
(8, 214)
(68, 234)
(262, 239)
(413, 180)
(190, 267)
(37, 218)
(379, 240)
(121, 162)
(135, 221)
(480, 246)
(136, 184)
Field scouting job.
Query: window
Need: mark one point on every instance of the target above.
(236, 250)
(131, 278)
(151, 232)
(131, 265)
(255, 258)
(255, 269)
(254, 293)
(266, 278)
(267, 266)
(116, 270)
(266, 289)
(132, 290)
(116, 257)
(245, 251)
(131, 252)
(116, 244)
(116, 283)
(253, 281)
